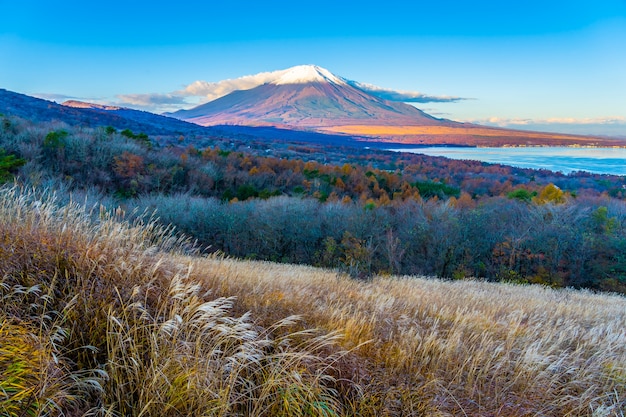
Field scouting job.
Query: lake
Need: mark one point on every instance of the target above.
(597, 160)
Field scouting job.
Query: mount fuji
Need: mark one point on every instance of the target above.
(311, 98)
(306, 96)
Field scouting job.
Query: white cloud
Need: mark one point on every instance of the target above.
(198, 92)
(501, 121)
(151, 100)
(404, 96)
(213, 90)
(59, 98)
(608, 126)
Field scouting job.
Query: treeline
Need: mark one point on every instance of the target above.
(579, 244)
(130, 164)
(373, 213)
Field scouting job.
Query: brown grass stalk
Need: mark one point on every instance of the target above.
(103, 317)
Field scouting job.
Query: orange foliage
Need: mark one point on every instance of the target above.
(128, 165)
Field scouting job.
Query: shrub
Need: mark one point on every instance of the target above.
(141, 138)
(429, 189)
(8, 165)
(522, 194)
(55, 140)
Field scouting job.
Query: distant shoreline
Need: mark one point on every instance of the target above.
(565, 159)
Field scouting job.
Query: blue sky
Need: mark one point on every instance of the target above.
(536, 64)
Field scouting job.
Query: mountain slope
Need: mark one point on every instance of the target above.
(86, 114)
(77, 113)
(306, 96)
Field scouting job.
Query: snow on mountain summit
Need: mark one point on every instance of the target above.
(303, 74)
(305, 96)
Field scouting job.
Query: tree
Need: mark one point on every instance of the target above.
(128, 165)
(141, 138)
(393, 251)
(550, 194)
(8, 163)
(129, 168)
(55, 140)
(357, 256)
(521, 194)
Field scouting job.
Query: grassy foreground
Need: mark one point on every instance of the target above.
(101, 317)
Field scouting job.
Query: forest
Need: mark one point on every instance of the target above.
(357, 210)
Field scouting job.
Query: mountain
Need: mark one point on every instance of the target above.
(304, 104)
(122, 117)
(309, 97)
(75, 113)
(93, 115)
(306, 96)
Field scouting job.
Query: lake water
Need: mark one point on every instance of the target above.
(597, 160)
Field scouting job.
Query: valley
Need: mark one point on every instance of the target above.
(552, 228)
(362, 211)
(273, 269)
(312, 209)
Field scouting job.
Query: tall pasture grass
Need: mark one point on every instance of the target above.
(103, 317)
(433, 347)
(193, 357)
(36, 375)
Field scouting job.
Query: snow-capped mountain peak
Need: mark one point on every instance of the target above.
(304, 96)
(303, 74)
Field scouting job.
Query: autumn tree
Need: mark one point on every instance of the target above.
(129, 168)
(550, 194)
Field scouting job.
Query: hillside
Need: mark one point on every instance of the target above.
(121, 319)
(21, 105)
(75, 113)
(361, 211)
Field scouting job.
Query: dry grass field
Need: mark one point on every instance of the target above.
(471, 135)
(440, 130)
(104, 318)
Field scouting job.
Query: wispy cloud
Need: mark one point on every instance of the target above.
(59, 98)
(213, 90)
(400, 95)
(609, 126)
(501, 121)
(198, 92)
(152, 100)
(436, 112)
